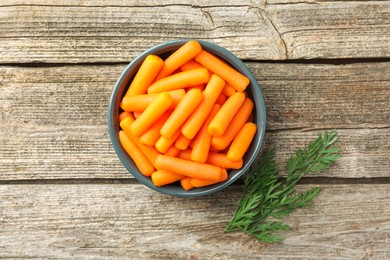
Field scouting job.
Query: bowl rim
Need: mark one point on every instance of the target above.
(255, 93)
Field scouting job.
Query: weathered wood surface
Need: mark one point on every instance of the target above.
(63, 191)
(112, 31)
(131, 221)
(303, 96)
(54, 119)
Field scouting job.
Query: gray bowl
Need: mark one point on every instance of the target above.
(163, 50)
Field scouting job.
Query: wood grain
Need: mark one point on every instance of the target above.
(304, 96)
(64, 193)
(325, 95)
(131, 221)
(113, 31)
(54, 119)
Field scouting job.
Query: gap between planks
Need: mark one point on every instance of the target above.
(341, 61)
(132, 181)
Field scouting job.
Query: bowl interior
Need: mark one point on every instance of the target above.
(163, 50)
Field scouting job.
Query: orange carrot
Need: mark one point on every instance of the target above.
(172, 151)
(185, 53)
(145, 75)
(141, 102)
(238, 121)
(190, 65)
(191, 145)
(162, 177)
(183, 110)
(202, 183)
(221, 99)
(151, 114)
(140, 160)
(163, 143)
(199, 115)
(182, 142)
(186, 183)
(180, 80)
(152, 134)
(202, 141)
(221, 160)
(201, 87)
(234, 78)
(213, 150)
(222, 119)
(188, 168)
(228, 90)
(124, 114)
(241, 142)
(217, 159)
(150, 152)
(185, 154)
(137, 114)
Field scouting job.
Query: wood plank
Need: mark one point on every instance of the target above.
(305, 96)
(114, 31)
(331, 29)
(365, 152)
(60, 152)
(311, 96)
(131, 221)
(55, 127)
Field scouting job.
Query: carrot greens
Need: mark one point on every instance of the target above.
(268, 198)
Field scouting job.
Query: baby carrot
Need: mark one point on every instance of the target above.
(180, 80)
(234, 78)
(185, 53)
(123, 115)
(186, 183)
(182, 111)
(210, 95)
(239, 119)
(191, 145)
(222, 119)
(151, 114)
(149, 151)
(137, 114)
(202, 141)
(228, 90)
(163, 143)
(152, 134)
(241, 142)
(141, 102)
(190, 65)
(145, 75)
(162, 177)
(201, 87)
(217, 159)
(221, 160)
(185, 154)
(172, 151)
(188, 168)
(212, 149)
(140, 160)
(202, 183)
(221, 99)
(182, 142)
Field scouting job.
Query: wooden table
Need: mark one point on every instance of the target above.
(64, 194)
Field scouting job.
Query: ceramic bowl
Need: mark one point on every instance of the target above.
(164, 50)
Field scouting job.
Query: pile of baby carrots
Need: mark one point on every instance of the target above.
(187, 118)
